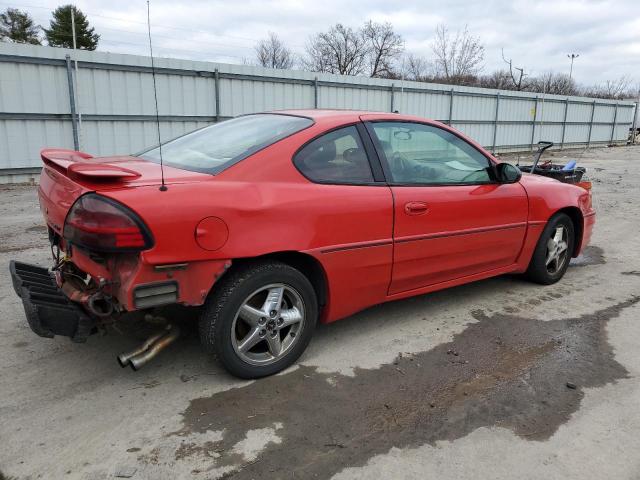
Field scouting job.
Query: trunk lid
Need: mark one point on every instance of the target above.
(68, 174)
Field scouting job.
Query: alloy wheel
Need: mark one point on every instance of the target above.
(557, 250)
(268, 324)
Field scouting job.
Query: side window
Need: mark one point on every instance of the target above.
(422, 154)
(337, 157)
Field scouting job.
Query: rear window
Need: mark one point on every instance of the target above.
(214, 148)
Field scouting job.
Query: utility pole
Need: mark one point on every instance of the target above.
(572, 56)
(75, 60)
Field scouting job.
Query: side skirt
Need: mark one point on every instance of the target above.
(453, 283)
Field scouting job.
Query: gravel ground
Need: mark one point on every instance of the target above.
(495, 379)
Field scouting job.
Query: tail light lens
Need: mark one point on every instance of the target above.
(100, 224)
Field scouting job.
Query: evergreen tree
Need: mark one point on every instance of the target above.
(17, 26)
(60, 34)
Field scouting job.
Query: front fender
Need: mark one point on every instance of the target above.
(548, 197)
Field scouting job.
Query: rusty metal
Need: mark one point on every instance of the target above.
(95, 302)
(75, 294)
(142, 359)
(124, 358)
(100, 305)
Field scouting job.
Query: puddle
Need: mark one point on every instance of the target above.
(503, 370)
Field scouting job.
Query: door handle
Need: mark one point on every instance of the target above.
(416, 208)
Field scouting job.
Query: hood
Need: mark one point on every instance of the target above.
(533, 179)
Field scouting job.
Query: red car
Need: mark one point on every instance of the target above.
(276, 221)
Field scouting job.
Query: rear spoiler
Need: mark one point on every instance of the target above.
(76, 164)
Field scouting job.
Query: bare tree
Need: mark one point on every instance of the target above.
(273, 53)
(553, 83)
(340, 50)
(459, 56)
(500, 79)
(417, 68)
(518, 77)
(384, 47)
(612, 89)
(616, 89)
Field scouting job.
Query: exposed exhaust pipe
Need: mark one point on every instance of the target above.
(125, 358)
(100, 305)
(142, 359)
(97, 303)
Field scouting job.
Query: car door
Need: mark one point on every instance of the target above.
(452, 219)
(353, 210)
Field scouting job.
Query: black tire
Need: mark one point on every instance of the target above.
(538, 271)
(226, 298)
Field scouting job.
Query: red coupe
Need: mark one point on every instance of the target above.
(276, 221)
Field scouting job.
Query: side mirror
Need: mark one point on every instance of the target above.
(507, 173)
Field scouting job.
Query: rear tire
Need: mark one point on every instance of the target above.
(259, 318)
(553, 252)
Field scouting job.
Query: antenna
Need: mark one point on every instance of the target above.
(163, 187)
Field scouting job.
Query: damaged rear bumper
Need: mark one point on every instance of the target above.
(49, 312)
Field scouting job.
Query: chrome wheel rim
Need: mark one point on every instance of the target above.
(557, 250)
(268, 324)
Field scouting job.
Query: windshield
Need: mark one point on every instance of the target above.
(214, 148)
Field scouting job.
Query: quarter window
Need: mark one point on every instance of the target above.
(337, 157)
(423, 154)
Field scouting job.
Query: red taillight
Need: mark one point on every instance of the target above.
(101, 224)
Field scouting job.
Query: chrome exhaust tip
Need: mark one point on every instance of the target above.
(125, 358)
(140, 360)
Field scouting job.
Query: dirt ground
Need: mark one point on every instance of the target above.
(495, 379)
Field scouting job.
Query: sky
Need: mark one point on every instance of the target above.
(537, 35)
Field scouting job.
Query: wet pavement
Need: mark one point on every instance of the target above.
(496, 379)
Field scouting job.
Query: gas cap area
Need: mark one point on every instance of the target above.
(211, 233)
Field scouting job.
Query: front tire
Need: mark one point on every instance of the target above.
(259, 318)
(551, 257)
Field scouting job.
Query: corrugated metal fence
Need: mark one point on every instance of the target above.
(109, 107)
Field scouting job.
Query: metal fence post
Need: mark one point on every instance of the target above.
(533, 124)
(393, 88)
(593, 111)
(495, 123)
(564, 122)
(613, 127)
(450, 107)
(216, 80)
(633, 125)
(72, 104)
(315, 92)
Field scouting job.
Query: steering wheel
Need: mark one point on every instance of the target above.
(399, 163)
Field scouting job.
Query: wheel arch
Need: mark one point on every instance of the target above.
(307, 264)
(577, 219)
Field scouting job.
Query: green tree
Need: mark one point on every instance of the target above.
(17, 26)
(60, 34)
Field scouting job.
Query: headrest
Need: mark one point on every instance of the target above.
(322, 155)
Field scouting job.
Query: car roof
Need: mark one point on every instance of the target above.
(345, 116)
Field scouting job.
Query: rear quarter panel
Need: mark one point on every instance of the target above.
(268, 207)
